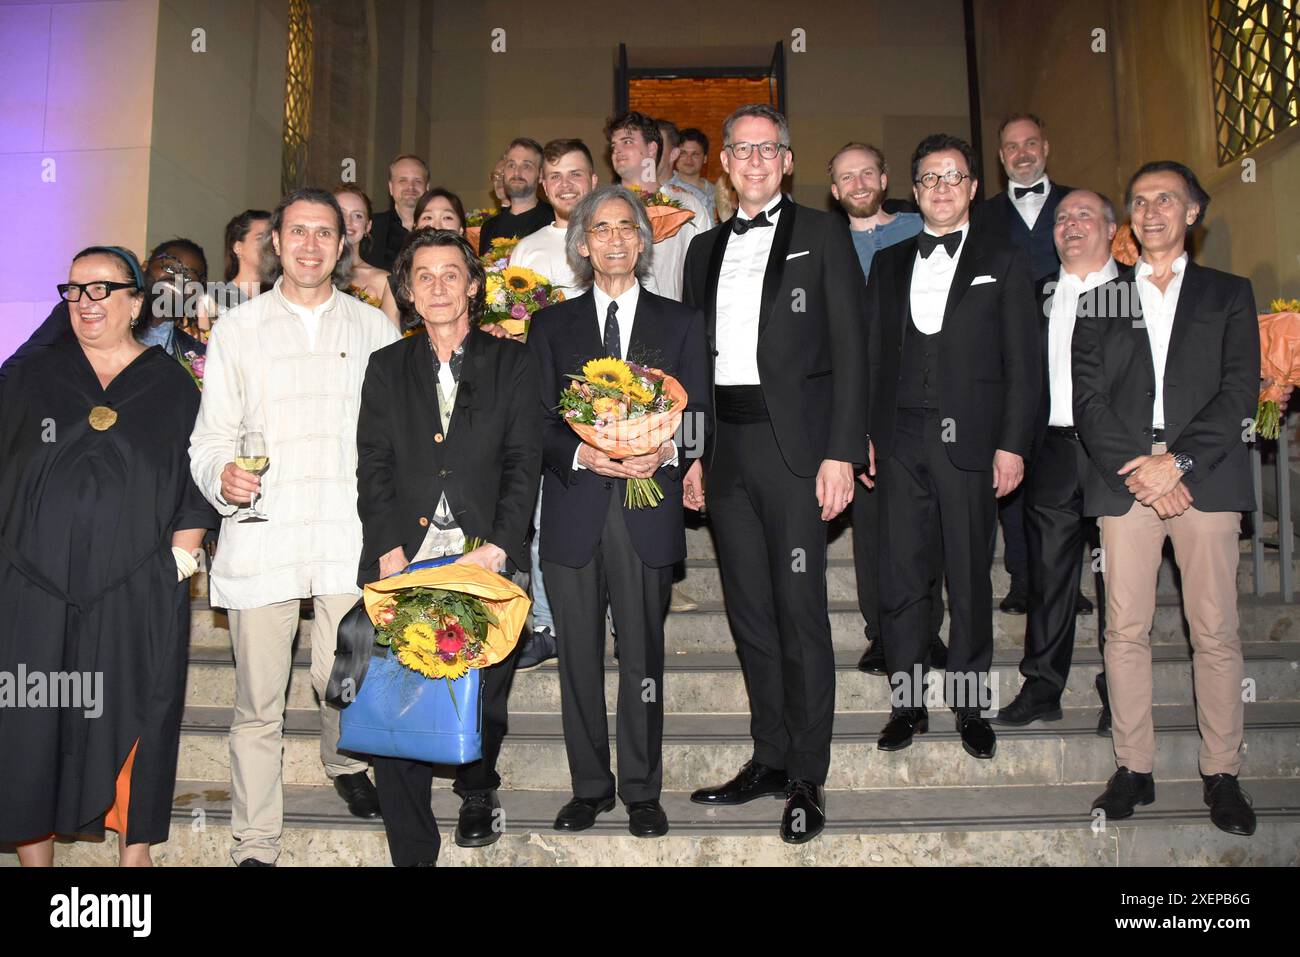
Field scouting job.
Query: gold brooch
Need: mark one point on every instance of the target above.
(102, 418)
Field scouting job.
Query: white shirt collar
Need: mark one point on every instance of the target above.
(1106, 273)
(1145, 269)
(770, 208)
(626, 301)
(1047, 187)
(305, 311)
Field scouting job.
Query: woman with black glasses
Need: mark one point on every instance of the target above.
(98, 522)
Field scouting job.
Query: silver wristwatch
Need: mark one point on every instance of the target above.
(1184, 462)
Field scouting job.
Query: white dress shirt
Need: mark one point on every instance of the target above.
(931, 280)
(1158, 316)
(311, 316)
(740, 299)
(1060, 333)
(261, 372)
(1030, 204)
(543, 252)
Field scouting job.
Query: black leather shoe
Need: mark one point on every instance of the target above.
(754, 781)
(804, 816)
(647, 819)
(254, 862)
(1103, 719)
(359, 793)
(539, 647)
(977, 735)
(1017, 600)
(873, 659)
(1083, 605)
(476, 825)
(938, 654)
(901, 726)
(1229, 805)
(580, 813)
(1025, 708)
(1124, 791)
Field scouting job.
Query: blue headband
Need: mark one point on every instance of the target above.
(121, 254)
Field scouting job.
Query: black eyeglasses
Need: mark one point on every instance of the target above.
(95, 291)
(768, 150)
(931, 179)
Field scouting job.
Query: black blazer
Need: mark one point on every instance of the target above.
(665, 335)
(386, 237)
(811, 341)
(488, 463)
(990, 360)
(1211, 389)
(1002, 219)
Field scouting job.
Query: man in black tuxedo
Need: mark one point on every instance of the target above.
(408, 178)
(1023, 215)
(1166, 380)
(955, 370)
(782, 294)
(596, 552)
(1055, 525)
(449, 447)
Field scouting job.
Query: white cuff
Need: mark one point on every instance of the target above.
(186, 564)
(576, 452)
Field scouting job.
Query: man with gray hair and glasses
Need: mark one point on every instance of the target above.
(596, 551)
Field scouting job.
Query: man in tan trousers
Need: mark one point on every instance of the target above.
(289, 364)
(1165, 365)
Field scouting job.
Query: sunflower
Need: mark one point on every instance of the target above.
(420, 632)
(638, 391)
(612, 373)
(520, 280)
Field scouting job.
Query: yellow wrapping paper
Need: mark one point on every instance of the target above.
(506, 600)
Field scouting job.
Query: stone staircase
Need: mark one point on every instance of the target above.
(929, 804)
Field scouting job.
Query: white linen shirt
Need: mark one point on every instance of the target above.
(1158, 317)
(261, 371)
(1060, 335)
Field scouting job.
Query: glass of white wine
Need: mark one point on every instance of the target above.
(252, 457)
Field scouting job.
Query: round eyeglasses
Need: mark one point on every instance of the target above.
(605, 232)
(952, 178)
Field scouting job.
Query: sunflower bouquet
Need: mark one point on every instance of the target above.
(1279, 348)
(514, 294)
(624, 409)
(497, 256)
(667, 215)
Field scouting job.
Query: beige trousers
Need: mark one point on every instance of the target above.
(1206, 549)
(263, 645)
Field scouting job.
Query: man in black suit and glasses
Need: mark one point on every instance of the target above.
(782, 295)
(955, 372)
(595, 551)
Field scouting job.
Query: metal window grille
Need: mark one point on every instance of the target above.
(297, 96)
(1253, 68)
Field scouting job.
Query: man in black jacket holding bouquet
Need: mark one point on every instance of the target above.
(595, 550)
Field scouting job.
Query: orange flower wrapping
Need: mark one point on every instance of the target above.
(665, 221)
(1279, 352)
(1124, 247)
(471, 237)
(638, 436)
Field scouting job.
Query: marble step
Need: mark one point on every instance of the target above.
(713, 683)
(705, 749)
(706, 629)
(1042, 825)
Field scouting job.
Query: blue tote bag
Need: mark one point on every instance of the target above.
(399, 713)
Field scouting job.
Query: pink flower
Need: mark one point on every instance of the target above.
(196, 364)
(519, 311)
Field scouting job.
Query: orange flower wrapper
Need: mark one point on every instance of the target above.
(506, 600)
(1124, 247)
(642, 435)
(667, 221)
(471, 237)
(1279, 352)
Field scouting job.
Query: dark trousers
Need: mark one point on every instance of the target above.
(936, 520)
(1015, 547)
(404, 786)
(637, 596)
(772, 554)
(1057, 533)
(866, 563)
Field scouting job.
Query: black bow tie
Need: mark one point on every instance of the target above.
(741, 226)
(1024, 190)
(926, 244)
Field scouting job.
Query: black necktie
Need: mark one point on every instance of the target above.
(611, 331)
(1025, 190)
(926, 244)
(741, 226)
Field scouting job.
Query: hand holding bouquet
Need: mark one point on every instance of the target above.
(623, 410)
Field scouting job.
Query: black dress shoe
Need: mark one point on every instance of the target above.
(647, 819)
(1017, 600)
(873, 659)
(754, 781)
(1124, 791)
(476, 825)
(1229, 805)
(1103, 719)
(580, 813)
(901, 726)
(804, 816)
(1026, 708)
(359, 793)
(254, 862)
(938, 654)
(1083, 605)
(539, 647)
(977, 735)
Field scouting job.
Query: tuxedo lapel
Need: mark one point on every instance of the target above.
(775, 271)
(970, 256)
(715, 269)
(903, 264)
